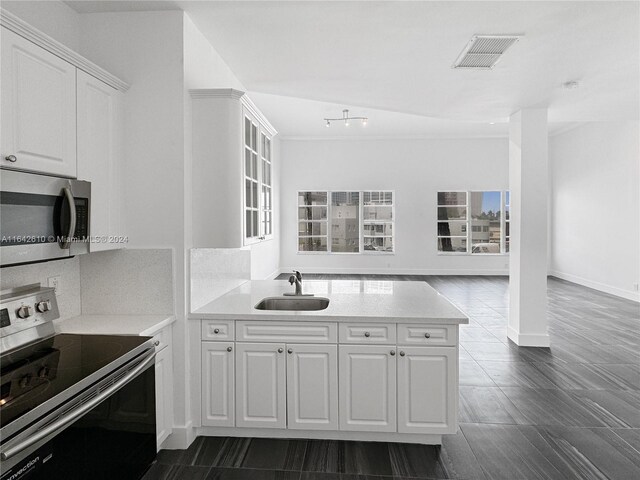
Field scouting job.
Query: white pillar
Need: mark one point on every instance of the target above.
(528, 182)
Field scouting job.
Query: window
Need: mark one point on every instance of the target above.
(507, 205)
(360, 222)
(312, 221)
(473, 222)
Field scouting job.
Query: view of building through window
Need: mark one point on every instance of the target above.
(473, 222)
(351, 222)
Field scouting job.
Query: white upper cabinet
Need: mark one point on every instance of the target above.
(99, 157)
(233, 160)
(38, 109)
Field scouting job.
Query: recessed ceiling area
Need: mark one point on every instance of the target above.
(397, 57)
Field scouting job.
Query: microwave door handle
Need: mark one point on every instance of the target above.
(66, 243)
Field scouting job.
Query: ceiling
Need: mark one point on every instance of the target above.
(391, 61)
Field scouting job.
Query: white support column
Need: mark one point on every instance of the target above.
(528, 182)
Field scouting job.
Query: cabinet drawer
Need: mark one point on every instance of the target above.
(162, 338)
(409, 334)
(282, 332)
(217, 330)
(364, 333)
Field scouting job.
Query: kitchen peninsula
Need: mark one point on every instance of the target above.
(378, 363)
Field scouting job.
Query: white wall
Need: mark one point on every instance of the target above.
(595, 205)
(52, 17)
(416, 170)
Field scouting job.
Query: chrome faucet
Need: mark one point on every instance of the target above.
(297, 279)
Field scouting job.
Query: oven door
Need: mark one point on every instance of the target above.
(42, 218)
(107, 432)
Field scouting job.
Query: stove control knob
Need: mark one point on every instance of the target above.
(25, 381)
(43, 372)
(24, 311)
(43, 306)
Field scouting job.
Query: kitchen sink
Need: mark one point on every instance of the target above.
(293, 303)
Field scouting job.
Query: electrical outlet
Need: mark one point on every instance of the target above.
(56, 283)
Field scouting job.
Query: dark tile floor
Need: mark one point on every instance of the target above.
(571, 411)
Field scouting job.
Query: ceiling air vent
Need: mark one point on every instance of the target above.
(483, 51)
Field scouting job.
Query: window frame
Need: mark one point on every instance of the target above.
(361, 250)
(469, 227)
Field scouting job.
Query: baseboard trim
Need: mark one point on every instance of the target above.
(528, 339)
(424, 439)
(398, 271)
(180, 438)
(601, 287)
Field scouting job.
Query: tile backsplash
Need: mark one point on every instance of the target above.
(127, 282)
(216, 271)
(68, 270)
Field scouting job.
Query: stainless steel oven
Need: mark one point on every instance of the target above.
(72, 407)
(42, 217)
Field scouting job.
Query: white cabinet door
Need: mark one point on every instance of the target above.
(367, 380)
(164, 395)
(260, 385)
(38, 108)
(218, 369)
(99, 157)
(427, 390)
(312, 387)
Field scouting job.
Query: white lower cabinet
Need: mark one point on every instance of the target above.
(367, 388)
(312, 387)
(164, 394)
(218, 384)
(427, 383)
(261, 385)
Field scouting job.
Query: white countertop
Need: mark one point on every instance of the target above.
(350, 300)
(144, 325)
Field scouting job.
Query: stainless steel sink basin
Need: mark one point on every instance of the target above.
(293, 303)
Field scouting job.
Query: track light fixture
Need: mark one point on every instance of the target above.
(346, 118)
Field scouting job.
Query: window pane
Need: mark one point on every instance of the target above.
(378, 198)
(312, 244)
(312, 198)
(247, 132)
(506, 227)
(452, 229)
(452, 213)
(378, 213)
(247, 162)
(378, 244)
(452, 245)
(378, 229)
(254, 137)
(345, 222)
(247, 192)
(312, 213)
(312, 228)
(247, 226)
(452, 198)
(254, 194)
(255, 222)
(254, 166)
(485, 222)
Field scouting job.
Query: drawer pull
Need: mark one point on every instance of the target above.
(156, 343)
(392, 353)
(290, 351)
(367, 334)
(229, 349)
(216, 330)
(280, 350)
(401, 353)
(11, 158)
(427, 335)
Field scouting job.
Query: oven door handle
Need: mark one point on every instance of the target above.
(67, 419)
(66, 243)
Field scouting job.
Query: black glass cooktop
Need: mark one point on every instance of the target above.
(36, 373)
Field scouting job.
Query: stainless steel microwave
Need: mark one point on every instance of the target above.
(42, 217)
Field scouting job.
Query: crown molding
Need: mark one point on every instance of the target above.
(302, 138)
(232, 93)
(27, 31)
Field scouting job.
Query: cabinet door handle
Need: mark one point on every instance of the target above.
(392, 353)
(427, 335)
(229, 349)
(11, 158)
(290, 351)
(367, 334)
(401, 353)
(280, 350)
(216, 330)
